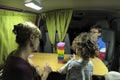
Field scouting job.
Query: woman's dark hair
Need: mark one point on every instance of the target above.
(86, 46)
(23, 32)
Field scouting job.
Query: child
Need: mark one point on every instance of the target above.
(82, 68)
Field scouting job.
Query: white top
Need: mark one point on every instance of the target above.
(112, 75)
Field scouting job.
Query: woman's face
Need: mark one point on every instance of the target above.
(36, 39)
(36, 43)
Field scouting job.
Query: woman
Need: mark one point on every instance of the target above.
(17, 66)
(82, 68)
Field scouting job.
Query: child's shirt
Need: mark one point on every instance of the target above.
(78, 70)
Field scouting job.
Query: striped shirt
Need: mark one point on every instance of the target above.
(102, 48)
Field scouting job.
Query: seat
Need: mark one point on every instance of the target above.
(67, 44)
(47, 44)
(108, 36)
(56, 40)
(1, 74)
(115, 25)
(119, 63)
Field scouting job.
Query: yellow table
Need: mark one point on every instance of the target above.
(42, 58)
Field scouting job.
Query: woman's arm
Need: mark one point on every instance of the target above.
(47, 70)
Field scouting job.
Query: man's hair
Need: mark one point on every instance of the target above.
(98, 27)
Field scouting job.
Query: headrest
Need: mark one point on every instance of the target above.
(103, 23)
(115, 24)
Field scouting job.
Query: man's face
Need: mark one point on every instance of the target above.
(95, 33)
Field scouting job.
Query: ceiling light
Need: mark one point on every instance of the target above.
(34, 4)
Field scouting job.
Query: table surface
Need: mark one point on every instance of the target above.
(51, 58)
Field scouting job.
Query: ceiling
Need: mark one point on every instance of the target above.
(48, 5)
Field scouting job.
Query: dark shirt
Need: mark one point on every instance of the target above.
(18, 69)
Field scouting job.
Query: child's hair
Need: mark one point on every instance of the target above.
(23, 32)
(86, 46)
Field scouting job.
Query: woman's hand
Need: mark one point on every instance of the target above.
(39, 70)
(47, 70)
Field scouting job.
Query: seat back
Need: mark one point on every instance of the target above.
(67, 44)
(108, 36)
(115, 25)
(119, 63)
(47, 44)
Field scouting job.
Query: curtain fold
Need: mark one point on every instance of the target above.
(7, 21)
(51, 27)
(63, 18)
(57, 20)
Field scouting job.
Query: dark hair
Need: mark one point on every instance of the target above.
(23, 32)
(86, 46)
(95, 77)
(98, 27)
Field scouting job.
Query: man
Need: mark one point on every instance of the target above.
(96, 31)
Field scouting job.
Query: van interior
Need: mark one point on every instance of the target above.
(84, 14)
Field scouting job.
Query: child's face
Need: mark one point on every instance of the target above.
(95, 33)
